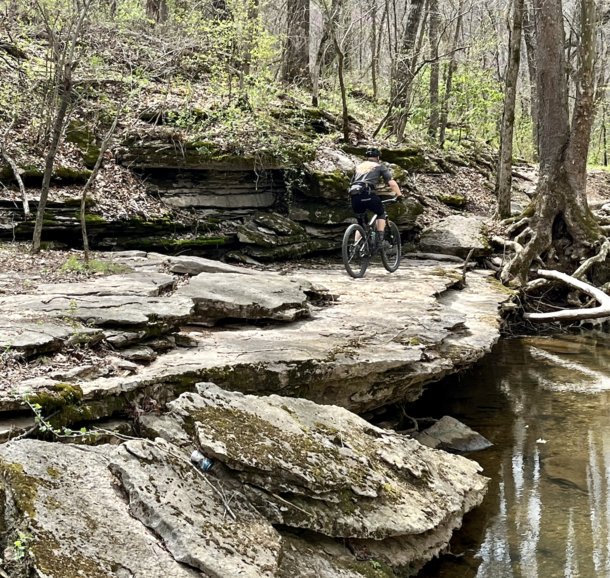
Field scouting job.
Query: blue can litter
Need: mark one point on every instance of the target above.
(201, 462)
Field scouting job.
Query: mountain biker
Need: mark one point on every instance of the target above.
(362, 190)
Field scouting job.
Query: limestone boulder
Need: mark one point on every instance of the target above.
(456, 235)
(324, 469)
(233, 296)
(72, 521)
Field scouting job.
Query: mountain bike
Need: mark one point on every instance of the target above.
(358, 245)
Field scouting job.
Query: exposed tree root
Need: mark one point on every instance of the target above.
(600, 257)
(525, 221)
(603, 310)
(507, 244)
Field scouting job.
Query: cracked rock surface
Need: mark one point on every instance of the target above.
(294, 486)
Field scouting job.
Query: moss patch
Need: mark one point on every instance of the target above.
(80, 134)
(59, 396)
(454, 200)
(24, 488)
(53, 561)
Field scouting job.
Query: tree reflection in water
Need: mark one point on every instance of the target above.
(545, 404)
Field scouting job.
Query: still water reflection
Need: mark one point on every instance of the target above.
(545, 404)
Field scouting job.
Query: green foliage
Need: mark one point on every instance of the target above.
(21, 545)
(74, 265)
(476, 103)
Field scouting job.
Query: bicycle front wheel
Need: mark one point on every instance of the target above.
(390, 249)
(355, 251)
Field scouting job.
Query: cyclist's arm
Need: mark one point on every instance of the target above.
(394, 187)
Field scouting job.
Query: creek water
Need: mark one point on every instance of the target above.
(544, 402)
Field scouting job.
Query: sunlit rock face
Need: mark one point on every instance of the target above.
(289, 478)
(321, 339)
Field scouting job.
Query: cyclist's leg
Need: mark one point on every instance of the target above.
(359, 206)
(376, 206)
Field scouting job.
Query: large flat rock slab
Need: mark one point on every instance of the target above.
(231, 296)
(352, 354)
(380, 340)
(102, 310)
(291, 482)
(342, 476)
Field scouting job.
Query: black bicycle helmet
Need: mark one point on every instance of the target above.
(372, 152)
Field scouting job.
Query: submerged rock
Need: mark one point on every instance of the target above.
(452, 435)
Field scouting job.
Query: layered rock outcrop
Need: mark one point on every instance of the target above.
(300, 486)
(289, 477)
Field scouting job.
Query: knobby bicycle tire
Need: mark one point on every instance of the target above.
(355, 251)
(391, 248)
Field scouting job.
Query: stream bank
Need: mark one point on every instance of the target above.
(154, 334)
(543, 402)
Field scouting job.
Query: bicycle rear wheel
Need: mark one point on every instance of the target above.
(390, 248)
(355, 251)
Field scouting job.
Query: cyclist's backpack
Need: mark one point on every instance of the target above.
(358, 188)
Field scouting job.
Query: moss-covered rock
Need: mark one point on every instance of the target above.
(82, 136)
(412, 159)
(454, 200)
(278, 223)
(57, 397)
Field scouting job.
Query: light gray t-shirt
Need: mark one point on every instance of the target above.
(369, 172)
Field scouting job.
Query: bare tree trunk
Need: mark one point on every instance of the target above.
(11, 162)
(530, 45)
(58, 127)
(157, 10)
(326, 53)
(340, 71)
(604, 138)
(451, 68)
(374, 51)
(405, 65)
(433, 33)
(91, 181)
(64, 62)
(561, 214)
(505, 157)
(296, 57)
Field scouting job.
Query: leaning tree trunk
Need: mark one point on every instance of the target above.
(451, 68)
(403, 79)
(562, 226)
(505, 158)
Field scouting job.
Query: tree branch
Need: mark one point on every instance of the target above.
(573, 314)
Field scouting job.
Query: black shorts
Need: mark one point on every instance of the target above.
(363, 202)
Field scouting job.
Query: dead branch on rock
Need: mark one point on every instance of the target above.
(603, 310)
